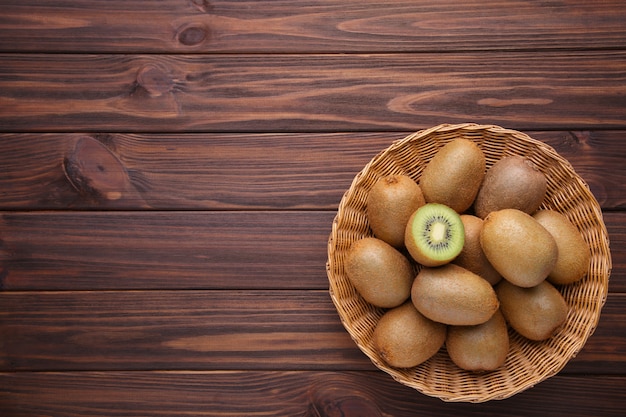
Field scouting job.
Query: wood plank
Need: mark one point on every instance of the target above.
(616, 227)
(236, 171)
(215, 330)
(134, 330)
(313, 93)
(185, 250)
(308, 394)
(588, 152)
(160, 250)
(315, 25)
(189, 171)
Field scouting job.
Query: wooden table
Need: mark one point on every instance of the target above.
(169, 172)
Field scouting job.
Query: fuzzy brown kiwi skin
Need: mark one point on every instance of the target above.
(574, 253)
(536, 312)
(472, 256)
(454, 175)
(380, 273)
(405, 338)
(453, 295)
(512, 182)
(518, 247)
(390, 203)
(480, 348)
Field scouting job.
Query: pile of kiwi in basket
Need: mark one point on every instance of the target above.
(463, 255)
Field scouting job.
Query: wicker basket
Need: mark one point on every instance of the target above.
(528, 363)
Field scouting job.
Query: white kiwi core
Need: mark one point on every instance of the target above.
(438, 232)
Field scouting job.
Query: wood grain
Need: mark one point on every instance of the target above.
(169, 172)
(312, 93)
(284, 393)
(325, 26)
(215, 330)
(174, 330)
(158, 250)
(185, 250)
(191, 171)
(238, 171)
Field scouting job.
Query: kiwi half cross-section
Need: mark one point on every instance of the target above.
(434, 234)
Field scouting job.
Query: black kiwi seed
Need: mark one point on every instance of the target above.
(443, 244)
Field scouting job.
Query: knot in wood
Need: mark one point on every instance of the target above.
(94, 171)
(332, 401)
(350, 407)
(192, 35)
(154, 80)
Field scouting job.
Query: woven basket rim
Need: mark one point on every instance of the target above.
(352, 318)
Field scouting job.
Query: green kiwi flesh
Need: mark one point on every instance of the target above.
(434, 234)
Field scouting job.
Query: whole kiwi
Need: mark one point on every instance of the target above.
(518, 247)
(574, 255)
(454, 175)
(512, 182)
(482, 347)
(472, 256)
(379, 272)
(453, 295)
(534, 312)
(390, 203)
(405, 338)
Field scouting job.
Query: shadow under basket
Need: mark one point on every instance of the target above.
(528, 362)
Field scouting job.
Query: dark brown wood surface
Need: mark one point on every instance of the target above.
(169, 173)
(298, 92)
(317, 26)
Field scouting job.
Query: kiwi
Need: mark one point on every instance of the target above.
(574, 254)
(512, 182)
(453, 295)
(379, 272)
(472, 256)
(534, 312)
(518, 247)
(454, 175)
(390, 203)
(405, 338)
(434, 234)
(482, 347)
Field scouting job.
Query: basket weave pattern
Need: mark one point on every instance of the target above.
(527, 363)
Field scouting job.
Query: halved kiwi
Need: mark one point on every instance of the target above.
(434, 234)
